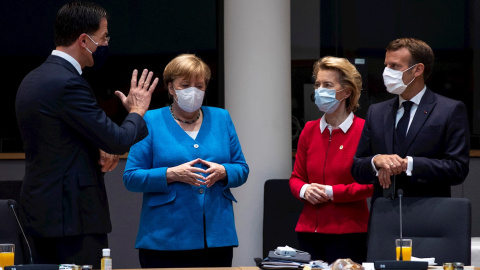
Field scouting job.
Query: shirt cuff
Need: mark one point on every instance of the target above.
(409, 166)
(302, 191)
(373, 165)
(329, 191)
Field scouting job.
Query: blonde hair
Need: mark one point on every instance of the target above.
(349, 77)
(186, 66)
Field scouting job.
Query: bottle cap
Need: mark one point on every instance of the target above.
(106, 252)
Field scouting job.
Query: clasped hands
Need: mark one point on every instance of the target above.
(388, 165)
(188, 173)
(316, 194)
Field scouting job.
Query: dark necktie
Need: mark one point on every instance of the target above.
(403, 123)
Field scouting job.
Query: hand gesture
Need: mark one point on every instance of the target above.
(387, 166)
(384, 178)
(316, 194)
(108, 161)
(140, 94)
(187, 173)
(215, 172)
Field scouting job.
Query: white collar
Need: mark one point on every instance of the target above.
(345, 126)
(416, 99)
(69, 58)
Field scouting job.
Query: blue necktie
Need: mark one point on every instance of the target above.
(403, 123)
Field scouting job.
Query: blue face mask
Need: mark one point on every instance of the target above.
(325, 99)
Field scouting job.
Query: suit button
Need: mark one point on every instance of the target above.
(196, 145)
(201, 191)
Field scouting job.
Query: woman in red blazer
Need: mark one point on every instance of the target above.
(334, 219)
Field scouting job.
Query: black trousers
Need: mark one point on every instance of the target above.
(208, 257)
(330, 247)
(78, 249)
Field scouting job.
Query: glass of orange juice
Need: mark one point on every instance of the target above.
(7, 252)
(406, 246)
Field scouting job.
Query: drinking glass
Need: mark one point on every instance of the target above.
(7, 252)
(406, 247)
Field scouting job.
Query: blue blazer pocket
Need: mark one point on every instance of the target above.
(227, 193)
(158, 199)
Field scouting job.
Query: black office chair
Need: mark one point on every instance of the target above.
(438, 227)
(10, 233)
(280, 215)
(10, 189)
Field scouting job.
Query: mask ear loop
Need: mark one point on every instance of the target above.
(339, 92)
(413, 77)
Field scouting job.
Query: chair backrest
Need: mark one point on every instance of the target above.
(10, 189)
(10, 232)
(280, 215)
(438, 227)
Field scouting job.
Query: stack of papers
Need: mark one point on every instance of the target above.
(431, 261)
(265, 264)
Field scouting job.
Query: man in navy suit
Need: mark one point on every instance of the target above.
(418, 141)
(70, 143)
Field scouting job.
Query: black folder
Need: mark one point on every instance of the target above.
(302, 257)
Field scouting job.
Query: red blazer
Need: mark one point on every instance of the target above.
(324, 160)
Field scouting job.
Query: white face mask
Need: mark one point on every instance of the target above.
(393, 80)
(189, 99)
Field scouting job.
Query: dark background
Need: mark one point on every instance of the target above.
(363, 29)
(144, 34)
(148, 34)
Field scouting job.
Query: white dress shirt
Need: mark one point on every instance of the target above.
(416, 101)
(69, 58)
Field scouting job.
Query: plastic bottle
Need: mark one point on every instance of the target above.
(106, 263)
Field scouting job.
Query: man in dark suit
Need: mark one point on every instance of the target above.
(418, 141)
(70, 143)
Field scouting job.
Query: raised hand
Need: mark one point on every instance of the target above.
(140, 94)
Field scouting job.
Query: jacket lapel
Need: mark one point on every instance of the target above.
(424, 110)
(389, 124)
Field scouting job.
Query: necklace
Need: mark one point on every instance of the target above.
(183, 121)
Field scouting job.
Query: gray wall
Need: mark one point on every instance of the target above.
(125, 208)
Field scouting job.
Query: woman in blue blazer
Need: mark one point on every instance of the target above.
(185, 167)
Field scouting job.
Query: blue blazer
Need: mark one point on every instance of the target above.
(438, 140)
(63, 128)
(172, 216)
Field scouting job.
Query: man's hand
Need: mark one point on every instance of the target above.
(316, 194)
(108, 161)
(384, 178)
(388, 165)
(140, 94)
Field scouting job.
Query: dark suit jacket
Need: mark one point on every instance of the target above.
(63, 128)
(438, 140)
